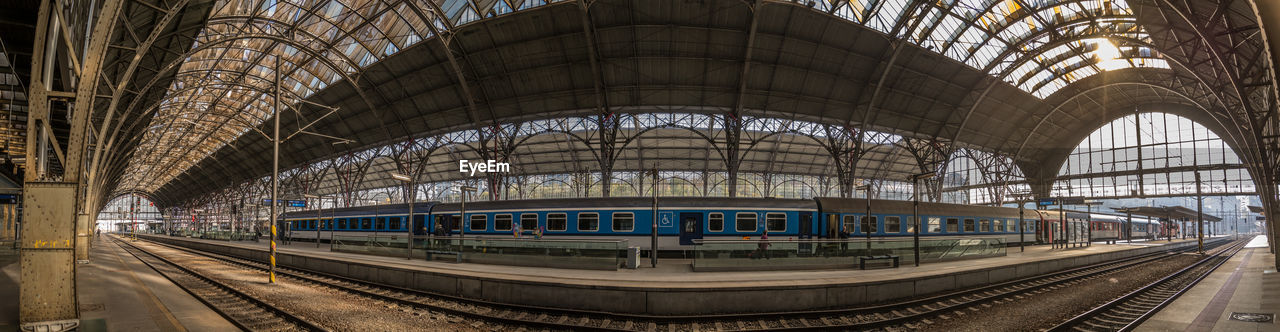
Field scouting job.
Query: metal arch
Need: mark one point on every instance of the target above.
(1065, 57)
(897, 47)
(445, 42)
(1256, 152)
(1056, 27)
(967, 115)
(747, 51)
(1213, 52)
(597, 75)
(143, 48)
(323, 59)
(1021, 147)
(318, 57)
(708, 139)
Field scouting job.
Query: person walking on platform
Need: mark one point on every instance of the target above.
(762, 249)
(844, 241)
(442, 233)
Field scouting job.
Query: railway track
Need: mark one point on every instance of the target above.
(1128, 311)
(908, 314)
(245, 311)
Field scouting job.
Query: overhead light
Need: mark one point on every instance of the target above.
(468, 189)
(400, 177)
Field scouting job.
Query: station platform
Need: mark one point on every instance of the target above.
(672, 288)
(117, 292)
(1244, 288)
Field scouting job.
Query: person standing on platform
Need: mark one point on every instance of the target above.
(763, 248)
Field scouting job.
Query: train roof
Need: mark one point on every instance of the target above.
(400, 208)
(633, 202)
(859, 205)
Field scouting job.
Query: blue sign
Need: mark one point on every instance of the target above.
(1047, 201)
(665, 219)
(289, 203)
(8, 199)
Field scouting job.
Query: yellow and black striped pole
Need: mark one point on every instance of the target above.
(272, 271)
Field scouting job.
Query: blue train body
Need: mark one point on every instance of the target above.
(681, 221)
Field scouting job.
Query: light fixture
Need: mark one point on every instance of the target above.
(400, 177)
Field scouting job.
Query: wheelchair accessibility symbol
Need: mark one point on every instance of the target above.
(664, 219)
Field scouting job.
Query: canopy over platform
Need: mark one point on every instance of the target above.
(1170, 212)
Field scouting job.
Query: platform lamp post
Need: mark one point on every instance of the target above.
(653, 232)
(408, 180)
(867, 219)
(462, 231)
(1021, 198)
(915, 212)
(1088, 206)
(319, 218)
(1199, 216)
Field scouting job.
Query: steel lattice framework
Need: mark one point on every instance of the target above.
(178, 91)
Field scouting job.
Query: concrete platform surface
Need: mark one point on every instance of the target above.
(1245, 284)
(678, 273)
(117, 292)
(673, 288)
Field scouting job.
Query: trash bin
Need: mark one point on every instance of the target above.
(633, 257)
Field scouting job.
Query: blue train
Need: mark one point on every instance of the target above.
(682, 221)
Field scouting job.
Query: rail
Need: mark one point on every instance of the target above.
(793, 254)
(864, 317)
(1149, 306)
(213, 293)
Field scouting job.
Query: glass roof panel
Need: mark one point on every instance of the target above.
(225, 81)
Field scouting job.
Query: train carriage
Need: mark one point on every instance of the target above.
(683, 221)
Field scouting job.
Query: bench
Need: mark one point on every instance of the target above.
(443, 252)
(862, 260)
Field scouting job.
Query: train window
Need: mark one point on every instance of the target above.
(557, 221)
(382, 223)
(502, 222)
(342, 223)
(311, 224)
(395, 222)
(997, 225)
(529, 221)
(455, 222)
(850, 223)
(588, 221)
(745, 221)
(935, 225)
(953, 225)
(624, 221)
(366, 223)
(892, 224)
(715, 222)
(775, 221)
(968, 225)
(985, 225)
(869, 224)
(478, 222)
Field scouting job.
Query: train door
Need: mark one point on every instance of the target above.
(832, 229)
(690, 227)
(806, 225)
(420, 224)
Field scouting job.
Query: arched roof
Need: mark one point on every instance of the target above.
(993, 75)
